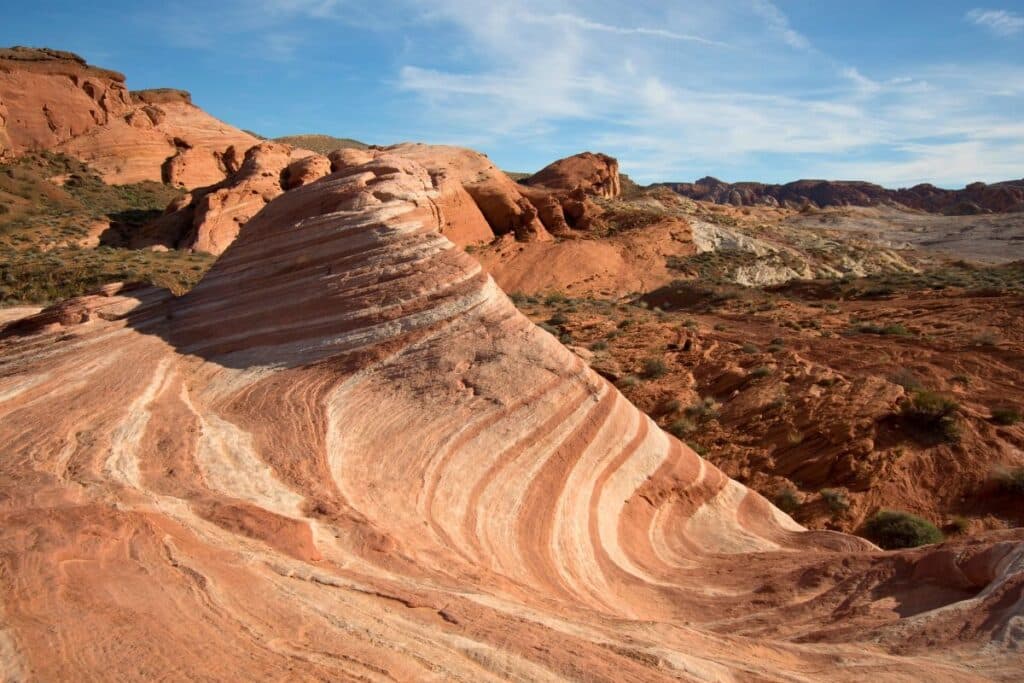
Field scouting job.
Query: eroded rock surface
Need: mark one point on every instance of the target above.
(593, 174)
(51, 100)
(346, 455)
(209, 218)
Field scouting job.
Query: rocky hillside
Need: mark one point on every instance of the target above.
(55, 101)
(346, 455)
(975, 198)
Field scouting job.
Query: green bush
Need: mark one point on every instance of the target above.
(892, 529)
(681, 427)
(599, 346)
(836, 500)
(761, 371)
(934, 412)
(628, 381)
(555, 298)
(704, 410)
(654, 368)
(787, 500)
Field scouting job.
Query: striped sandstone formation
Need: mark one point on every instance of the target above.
(346, 456)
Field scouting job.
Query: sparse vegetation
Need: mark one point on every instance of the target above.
(704, 410)
(934, 413)
(958, 524)
(654, 368)
(1006, 416)
(759, 372)
(681, 428)
(836, 500)
(787, 500)
(1011, 481)
(892, 529)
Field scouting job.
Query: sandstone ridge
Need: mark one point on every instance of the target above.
(345, 454)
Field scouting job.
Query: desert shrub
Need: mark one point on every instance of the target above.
(654, 368)
(697, 448)
(1011, 481)
(719, 327)
(690, 324)
(565, 338)
(704, 410)
(670, 406)
(681, 427)
(554, 298)
(549, 329)
(628, 381)
(748, 348)
(835, 499)
(518, 297)
(787, 500)
(760, 371)
(892, 529)
(558, 319)
(599, 346)
(958, 524)
(1006, 416)
(624, 323)
(933, 412)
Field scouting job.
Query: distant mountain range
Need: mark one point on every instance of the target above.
(1001, 197)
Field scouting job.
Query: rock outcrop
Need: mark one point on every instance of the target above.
(209, 218)
(52, 100)
(48, 97)
(592, 174)
(975, 198)
(345, 454)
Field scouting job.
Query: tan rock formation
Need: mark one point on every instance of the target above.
(593, 174)
(346, 455)
(498, 199)
(54, 100)
(209, 218)
(48, 97)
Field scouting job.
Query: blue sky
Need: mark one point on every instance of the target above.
(897, 92)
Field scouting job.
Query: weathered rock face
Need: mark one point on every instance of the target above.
(345, 454)
(593, 174)
(209, 218)
(54, 100)
(48, 97)
(999, 197)
(498, 198)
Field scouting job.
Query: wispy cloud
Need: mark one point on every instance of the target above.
(558, 81)
(572, 20)
(999, 21)
(779, 24)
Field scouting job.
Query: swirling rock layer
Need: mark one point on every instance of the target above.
(346, 456)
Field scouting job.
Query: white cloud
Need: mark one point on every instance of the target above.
(779, 24)
(559, 80)
(998, 21)
(572, 20)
